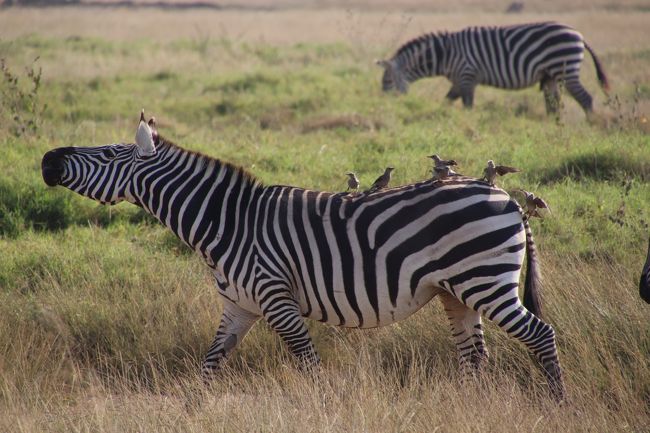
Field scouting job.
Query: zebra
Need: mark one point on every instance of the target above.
(512, 57)
(644, 282)
(285, 253)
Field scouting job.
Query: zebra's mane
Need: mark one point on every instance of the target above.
(232, 168)
(416, 41)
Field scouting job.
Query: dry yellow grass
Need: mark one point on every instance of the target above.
(398, 378)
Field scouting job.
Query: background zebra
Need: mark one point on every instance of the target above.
(284, 253)
(512, 57)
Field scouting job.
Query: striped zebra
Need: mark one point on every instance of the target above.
(644, 282)
(512, 57)
(284, 253)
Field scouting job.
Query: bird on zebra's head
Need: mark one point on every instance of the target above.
(283, 253)
(510, 57)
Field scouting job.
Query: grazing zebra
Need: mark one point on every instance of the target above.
(644, 282)
(512, 57)
(285, 253)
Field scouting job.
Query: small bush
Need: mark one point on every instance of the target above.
(20, 105)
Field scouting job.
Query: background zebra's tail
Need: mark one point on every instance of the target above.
(600, 72)
(532, 300)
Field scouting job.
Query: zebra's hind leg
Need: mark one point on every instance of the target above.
(551, 96)
(467, 332)
(282, 313)
(579, 93)
(539, 337)
(235, 324)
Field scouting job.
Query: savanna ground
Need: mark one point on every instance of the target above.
(105, 316)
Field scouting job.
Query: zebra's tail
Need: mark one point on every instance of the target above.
(644, 283)
(532, 285)
(600, 72)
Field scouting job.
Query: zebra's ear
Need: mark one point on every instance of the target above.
(144, 138)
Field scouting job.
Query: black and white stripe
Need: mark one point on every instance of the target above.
(512, 57)
(285, 253)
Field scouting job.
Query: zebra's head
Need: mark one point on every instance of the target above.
(393, 77)
(103, 173)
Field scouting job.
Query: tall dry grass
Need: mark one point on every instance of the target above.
(82, 352)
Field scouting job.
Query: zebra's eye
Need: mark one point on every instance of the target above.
(109, 153)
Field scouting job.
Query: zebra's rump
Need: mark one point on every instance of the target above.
(516, 57)
(374, 259)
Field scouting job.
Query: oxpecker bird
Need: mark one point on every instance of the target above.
(491, 171)
(353, 181)
(382, 181)
(442, 172)
(441, 162)
(534, 203)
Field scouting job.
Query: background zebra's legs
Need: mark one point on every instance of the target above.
(467, 91)
(453, 94)
(467, 332)
(283, 315)
(235, 323)
(539, 337)
(551, 96)
(579, 93)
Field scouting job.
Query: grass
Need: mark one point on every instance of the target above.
(105, 316)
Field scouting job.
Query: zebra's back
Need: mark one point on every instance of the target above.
(518, 56)
(371, 260)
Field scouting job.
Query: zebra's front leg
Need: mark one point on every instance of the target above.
(235, 324)
(466, 83)
(467, 332)
(282, 312)
(453, 94)
(551, 96)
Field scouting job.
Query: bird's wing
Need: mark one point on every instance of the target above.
(504, 169)
(539, 202)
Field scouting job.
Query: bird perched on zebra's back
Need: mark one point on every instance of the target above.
(353, 181)
(438, 162)
(535, 206)
(442, 167)
(511, 57)
(382, 181)
(491, 171)
(442, 172)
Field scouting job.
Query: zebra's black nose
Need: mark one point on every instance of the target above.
(52, 165)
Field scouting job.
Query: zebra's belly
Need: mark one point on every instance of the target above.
(364, 314)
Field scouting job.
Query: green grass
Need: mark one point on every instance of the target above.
(104, 315)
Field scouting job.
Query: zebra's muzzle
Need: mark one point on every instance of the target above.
(52, 165)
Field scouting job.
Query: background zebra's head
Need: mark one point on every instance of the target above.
(103, 173)
(393, 77)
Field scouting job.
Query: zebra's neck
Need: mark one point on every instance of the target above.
(422, 57)
(196, 196)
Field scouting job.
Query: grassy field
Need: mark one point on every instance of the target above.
(105, 316)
